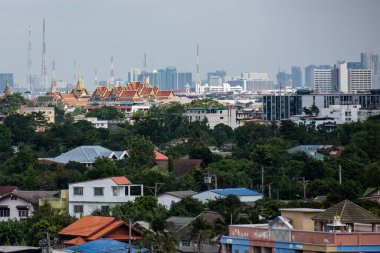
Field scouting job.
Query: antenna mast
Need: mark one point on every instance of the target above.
(44, 67)
(29, 80)
(198, 83)
(144, 76)
(96, 78)
(112, 72)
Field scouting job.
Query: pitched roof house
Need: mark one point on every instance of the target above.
(168, 198)
(348, 213)
(22, 204)
(86, 155)
(91, 228)
(372, 194)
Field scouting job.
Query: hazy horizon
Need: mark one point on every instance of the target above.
(236, 36)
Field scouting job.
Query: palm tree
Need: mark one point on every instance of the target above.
(201, 231)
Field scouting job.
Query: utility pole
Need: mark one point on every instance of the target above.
(130, 235)
(304, 183)
(340, 173)
(154, 189)
(262, 179)
(270, 190)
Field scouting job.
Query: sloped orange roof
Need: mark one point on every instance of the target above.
(68, 96)
(118, 89)
(160, 156)
(135, 86)
(164, 93)
(87, 226)
(128, 93)
(76, 241)
(106, 230)
(121, 180)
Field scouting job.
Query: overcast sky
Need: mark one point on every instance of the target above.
(234, 35)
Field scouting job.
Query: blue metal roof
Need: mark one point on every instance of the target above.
(236, 191)
(104, 246)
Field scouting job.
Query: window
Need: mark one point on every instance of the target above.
(13, 197)
(78, 209)
(185, 243)
(78, 190)
(98, 191)
(23, 213)
(105, 209)
(4, 212)
(221, 117)
(115, 191)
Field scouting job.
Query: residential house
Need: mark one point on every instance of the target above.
(372, 194)
(101, 194)
(7, 189)
(91, 228)
(86, 155)
(184, 166)
(161, 159)
(311, 150)
(60, 203)
(22, 204)
(168, 198)
(295, 234)
(244, 194)
(182, 228)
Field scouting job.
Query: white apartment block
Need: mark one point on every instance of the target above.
(97, 123)
(214, 116)
(360, 80)
(101, 194)
(48, 112)
(322, 80)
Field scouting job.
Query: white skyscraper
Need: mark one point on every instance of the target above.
(360, 80)
(322, 80)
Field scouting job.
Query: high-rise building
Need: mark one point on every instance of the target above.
(183, 79)
(339, 78)
(354, 65)
(133, 75)
(322, 79)
(161, 78)
(284, 80)
(218, 73)
(296, 77)
(309, 71)
(4, 77)
(171, 78)
(360, 80)
(370, 60)
(255, 76)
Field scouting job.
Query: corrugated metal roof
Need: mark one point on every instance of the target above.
(83, 154)
(236, 191)
(105, 246)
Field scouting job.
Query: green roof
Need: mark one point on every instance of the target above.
(368, 191)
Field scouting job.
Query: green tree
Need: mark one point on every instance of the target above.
(189, 207)
(222, 133)
(13, 232)
(205, 103)
(106, 113)
(141, 152)
(6, 138)
(10, 103)
(103, 167)
(201, 231)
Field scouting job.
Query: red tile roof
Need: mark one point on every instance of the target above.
(106, 230)
(87, 226)
(7, 189)
(160, 156)
(76, 241)
(121, 180)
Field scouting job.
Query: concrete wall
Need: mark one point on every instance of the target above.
(12, 205)
(167, 200)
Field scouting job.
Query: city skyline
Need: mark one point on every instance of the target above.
(89, 32)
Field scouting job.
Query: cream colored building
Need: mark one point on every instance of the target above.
(300, 218)
(48, 112)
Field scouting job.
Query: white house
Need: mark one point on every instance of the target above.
(244, 194)
(168, 198)
(101, 194)
(22, 204)
(214, 116)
